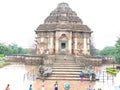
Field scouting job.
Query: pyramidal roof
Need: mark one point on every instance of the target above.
(63, 17)
(63, 13)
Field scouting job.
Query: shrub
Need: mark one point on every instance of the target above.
(4, 64)
(111, 70)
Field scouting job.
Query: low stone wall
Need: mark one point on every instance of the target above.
(49, 60)
(96, 61)
(15, 58)
(86, 61)
(108, 60)
(31, 59)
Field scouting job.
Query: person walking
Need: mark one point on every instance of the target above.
(30, 88)
(117, 79)
(65, 58)
(90, 76)
(81, 76)
(7, 88)
(89, 87)
(43, 86)
(56, 86)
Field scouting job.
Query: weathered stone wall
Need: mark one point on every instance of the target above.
(87, 61)
(108, 60)
(95, 61)
(15, 58)
(31, 59)
(49, 60)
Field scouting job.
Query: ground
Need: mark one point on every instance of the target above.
(74, 85)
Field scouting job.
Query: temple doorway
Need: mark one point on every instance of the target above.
(63, 44)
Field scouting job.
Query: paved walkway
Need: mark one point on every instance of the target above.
(74, 85)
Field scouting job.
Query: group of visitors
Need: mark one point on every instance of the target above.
(55, 85)
(91, 76)
(30, 87)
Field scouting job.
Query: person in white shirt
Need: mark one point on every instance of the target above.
(56, 86)
(117, 79)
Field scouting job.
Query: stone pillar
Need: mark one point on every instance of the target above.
(85, 44)
(42, 39)
(88, 44)
(51, 42)
(75, 41)
(70, 43)
(56, 42)
(51, 45)
(88, 47)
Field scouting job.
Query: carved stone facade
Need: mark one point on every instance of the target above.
(63, 32)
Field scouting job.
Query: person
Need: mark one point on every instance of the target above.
(76, 55)
(7, 88)
(30, 88)
(43, 85)
(81, 76)
(65, 58)
(89, 87)
(56, 86)
(90, 76)
(117, 79)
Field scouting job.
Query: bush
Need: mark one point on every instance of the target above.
(2, 55)
(111, 70)
(2, 58)
(4, 64)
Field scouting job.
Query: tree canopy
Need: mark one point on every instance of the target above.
(117, 46)
(108, 50)
(11, 49)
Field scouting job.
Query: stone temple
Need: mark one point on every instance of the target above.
(63, 32)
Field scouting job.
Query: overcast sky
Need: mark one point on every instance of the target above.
(19, 19)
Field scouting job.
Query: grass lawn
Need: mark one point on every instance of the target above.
(2, 63)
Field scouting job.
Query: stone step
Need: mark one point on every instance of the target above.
(65, 62)
(66, 73)
(66, 78)
(54, 75)
(65, 65)
(57, 67)
(66, 70)
(62, 58)
(62, 61)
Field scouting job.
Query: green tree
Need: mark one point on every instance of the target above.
(108, 51)
(97, 51)
(117, 46)
(12, 49)
(3, 48)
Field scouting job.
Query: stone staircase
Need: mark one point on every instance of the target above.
(65, 70)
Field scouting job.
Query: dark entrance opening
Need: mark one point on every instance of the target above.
(63, 45)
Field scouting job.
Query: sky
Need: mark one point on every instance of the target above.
(20, 18)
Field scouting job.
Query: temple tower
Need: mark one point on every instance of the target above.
(63, 32)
